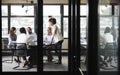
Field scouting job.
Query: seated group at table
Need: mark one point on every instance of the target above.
(29, 39)
(53, 37)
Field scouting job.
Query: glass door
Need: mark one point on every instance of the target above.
(83, 35)
(108, 36)
(55, 36)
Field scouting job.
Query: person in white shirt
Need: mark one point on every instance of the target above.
(107, 42)
(32, 37)
(57, 37)
(107, 37)
(22, 38)
(47, 38)
(47, 44)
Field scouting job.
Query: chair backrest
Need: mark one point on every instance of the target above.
(21, 49)
(109, 46)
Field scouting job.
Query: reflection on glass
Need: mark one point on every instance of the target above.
(53, 58)
(4, 10)
(108, 26)
(116, 11)
(83, 41)
(105, 10)
(83, 35)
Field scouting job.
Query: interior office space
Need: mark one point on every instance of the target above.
(83, 25)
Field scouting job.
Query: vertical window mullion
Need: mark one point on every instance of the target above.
(93, 37)
(9, 16)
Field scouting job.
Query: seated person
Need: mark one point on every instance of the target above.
(32, 52)
(32, 37)
(107, 42)
(22, 38)
(47, 42)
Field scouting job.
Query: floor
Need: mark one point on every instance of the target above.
(7, 66)
(49, 66)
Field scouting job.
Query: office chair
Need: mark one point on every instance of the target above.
(109, 52)
(57, 49)
(10, 48)
(20, 50)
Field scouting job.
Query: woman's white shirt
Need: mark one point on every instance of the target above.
(108, 38)
(57, 35)
(21, 38)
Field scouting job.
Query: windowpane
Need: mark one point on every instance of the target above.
(65, 26)
(83, 26)
(22, 11)
(22, 22)
(105, 10)
(105, 22)
(108, 40)
(116, 10)
(51, 10)
(4, 27)
(116, 22)
(83, 10)
(4, 10)
(65, 10)
(54, 55)
(83, 43)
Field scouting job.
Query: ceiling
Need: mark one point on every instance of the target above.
(54, 1)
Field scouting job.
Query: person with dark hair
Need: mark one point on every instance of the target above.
(22, 38)
(32, 37)
(32, 42)
(12, 37)
(107, 37)
(57, 36)
(107, 43)
(47, 44)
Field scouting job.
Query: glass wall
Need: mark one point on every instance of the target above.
(108, 35)
(83, 36)
(55, 56)
(17, 15)
(4, 20)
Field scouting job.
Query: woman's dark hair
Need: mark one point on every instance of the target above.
(13, 28)
(13, 36)
(107, 30)
(11, 32)
(22, 30)
(53, 20)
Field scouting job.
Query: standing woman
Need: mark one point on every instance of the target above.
(57, 36)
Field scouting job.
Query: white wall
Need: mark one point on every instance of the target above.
(65, 44)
